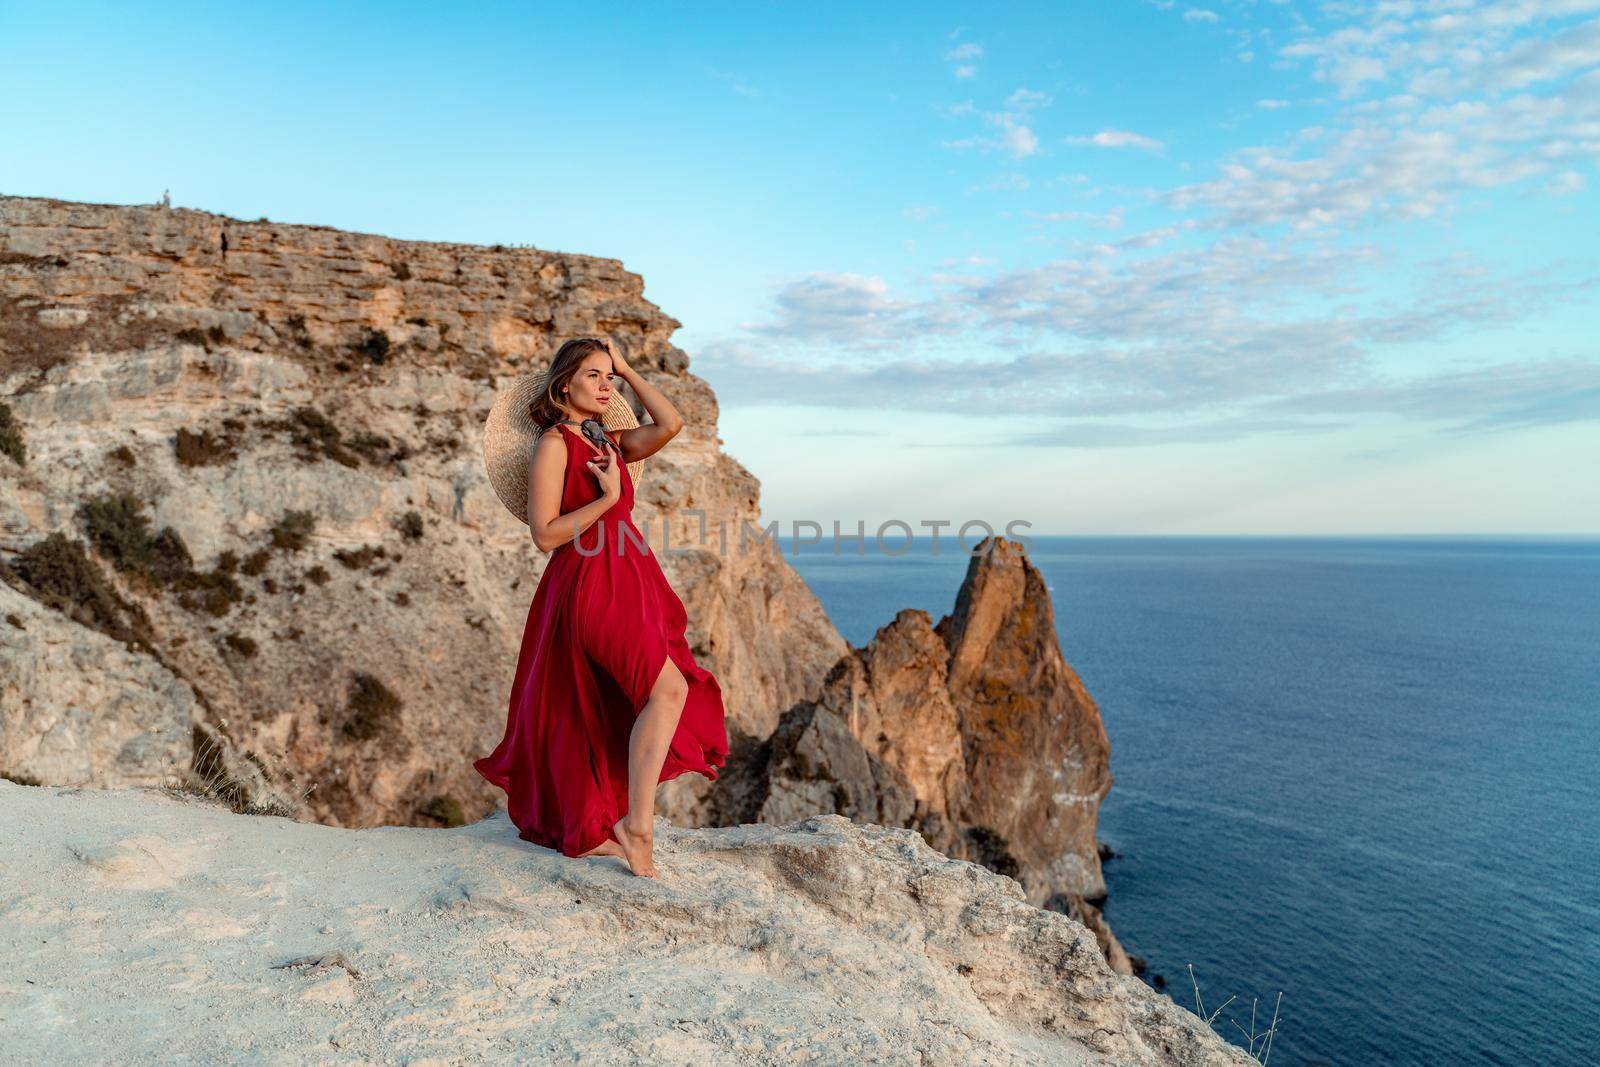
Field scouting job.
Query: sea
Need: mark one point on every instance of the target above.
(1356, 780)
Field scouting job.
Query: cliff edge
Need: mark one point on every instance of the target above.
(144, 925)
(246, 539)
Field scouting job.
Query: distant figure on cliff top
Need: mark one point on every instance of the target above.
(166, 198)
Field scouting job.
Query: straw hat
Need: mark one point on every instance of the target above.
(509, 434)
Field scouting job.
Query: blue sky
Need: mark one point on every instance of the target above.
(1240, 267)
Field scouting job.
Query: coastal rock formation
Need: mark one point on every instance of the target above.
(266, 939)
(274, 456)
(1029, 729)
(246, 537)
(975, 732)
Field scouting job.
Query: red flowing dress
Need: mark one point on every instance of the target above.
(602, 625)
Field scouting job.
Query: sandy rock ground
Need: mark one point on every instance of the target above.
(141, 925)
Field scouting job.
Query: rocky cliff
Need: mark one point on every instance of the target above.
(146, 925)
(246, 539)
(341, 593)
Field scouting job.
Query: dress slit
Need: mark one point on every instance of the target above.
(588, 664)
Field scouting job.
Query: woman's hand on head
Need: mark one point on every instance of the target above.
(607, 471)
(618, 364)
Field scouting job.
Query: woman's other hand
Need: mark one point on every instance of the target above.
(608, 472)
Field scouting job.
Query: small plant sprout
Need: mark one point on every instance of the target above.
(1258, 1045)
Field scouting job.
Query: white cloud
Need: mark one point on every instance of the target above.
(963, 59)
(1566, 183)
(735, 83)
(1441, 42)
(1412, 154)
(1494, 396)
(1108, 220)
(1118, 139)
(1027, 99)
(1015, 139)
(1011, 182)
(1193, 332)
(1575, 48)
(1252, 312)
(845, 307)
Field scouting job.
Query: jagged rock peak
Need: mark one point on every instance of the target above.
(975, 731)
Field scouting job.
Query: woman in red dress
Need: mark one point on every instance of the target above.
(607, 701)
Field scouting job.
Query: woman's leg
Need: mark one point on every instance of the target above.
(647, 752)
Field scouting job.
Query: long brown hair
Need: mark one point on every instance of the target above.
(545, 410)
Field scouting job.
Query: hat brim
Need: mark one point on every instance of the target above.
(509, 434)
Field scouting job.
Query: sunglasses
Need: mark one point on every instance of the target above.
(595, 433)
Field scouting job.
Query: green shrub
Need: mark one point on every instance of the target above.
(317, 438)
(255, 562)
(447, 810)
(319, 574)
(202, 449)
(298, 333)
(123, 455)
(245, 646)
(410, 525)
(371, 709)
(359, 558)
(119, 531)
(11, 437)
(373, 347)
(215, 592)
(372, 447)
(61, 576)
(290, 533)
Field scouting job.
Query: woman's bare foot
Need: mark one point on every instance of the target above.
(638, 848)
(607, 847)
